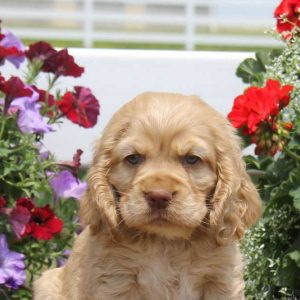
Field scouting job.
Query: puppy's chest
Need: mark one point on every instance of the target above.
(156, 276)
(163, 276)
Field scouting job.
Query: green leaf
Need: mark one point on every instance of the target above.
(265, 57)
(295, 256)
(296, 197)
(252, 70)
(289, 272)
(4, 152)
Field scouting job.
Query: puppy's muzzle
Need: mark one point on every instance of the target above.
(158, 199)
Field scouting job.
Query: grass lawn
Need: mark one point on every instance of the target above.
(152, 46)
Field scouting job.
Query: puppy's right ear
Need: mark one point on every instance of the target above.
(98, 205)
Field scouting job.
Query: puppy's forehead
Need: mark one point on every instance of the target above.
(160, 123)
(171, 114)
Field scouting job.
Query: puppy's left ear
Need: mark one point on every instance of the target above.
(236, 203)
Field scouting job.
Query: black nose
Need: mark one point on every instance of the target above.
(158, 199)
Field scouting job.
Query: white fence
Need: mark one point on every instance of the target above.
(117, 76)
(185, 22)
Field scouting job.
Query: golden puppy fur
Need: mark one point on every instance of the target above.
(168, 200)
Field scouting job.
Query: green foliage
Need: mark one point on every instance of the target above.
(36, 221)
(252, 70)
(22, 171)
(272, 247)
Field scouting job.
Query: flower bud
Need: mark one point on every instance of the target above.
(258, 150)
(268, 144)
(287, 125)
(273, 150)
(275, 138)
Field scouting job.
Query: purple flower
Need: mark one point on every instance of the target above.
(30, 120)
(65, 185)
(12, 48)
(45, 154)
(62, 261)
(12, 266)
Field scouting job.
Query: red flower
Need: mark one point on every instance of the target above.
(10, 52)
(259, 104)
(2, 202)
(287, 15)
(13, 88)
(44, 224)
(62, 63)
(25, 202)
(11, 48)
(76, 158)
(40, 51)
(45, 97)
(81, 107)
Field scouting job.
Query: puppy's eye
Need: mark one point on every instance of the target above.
(134, 159)
(191, 159)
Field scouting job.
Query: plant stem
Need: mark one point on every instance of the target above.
(2, 127)
(291, 154)
(256, 173)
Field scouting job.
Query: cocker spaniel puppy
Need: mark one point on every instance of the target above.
(168, 200)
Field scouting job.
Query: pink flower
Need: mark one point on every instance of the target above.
(19, 218)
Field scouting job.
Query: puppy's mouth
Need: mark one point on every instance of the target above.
(158, 216)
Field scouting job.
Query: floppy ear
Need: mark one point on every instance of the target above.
(236, 204)
(98, 205)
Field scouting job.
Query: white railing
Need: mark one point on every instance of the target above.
(117, 76)
(186, 22)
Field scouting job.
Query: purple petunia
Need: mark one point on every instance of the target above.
(12, 266)
(29, 119)
(65, 185)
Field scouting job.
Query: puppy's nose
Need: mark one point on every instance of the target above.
(158, 199)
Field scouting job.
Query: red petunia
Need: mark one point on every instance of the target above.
(40, 51)
(45, 97)
(13, 88)
(81, 107)
(25, 202)
(61, 63)
(2, 202)
(287, 14)
(10, 52)
(11, 49)
(44, 224)
(259, 104)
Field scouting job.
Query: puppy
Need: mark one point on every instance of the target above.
(168, 200)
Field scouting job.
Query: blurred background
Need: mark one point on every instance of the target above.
(143, 24)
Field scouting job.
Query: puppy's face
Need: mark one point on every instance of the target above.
(167, 164)
(164, 170)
